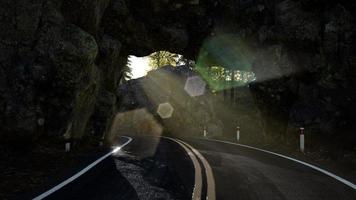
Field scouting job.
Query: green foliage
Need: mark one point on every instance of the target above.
(226, 50)
(185, 61)
(220, 78)
(225, 61)
(126, 72)
(162, 58)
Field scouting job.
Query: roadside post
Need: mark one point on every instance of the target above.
(238, 133)
(301, 139)
(205, 132)
(101, 143)
(67, 146)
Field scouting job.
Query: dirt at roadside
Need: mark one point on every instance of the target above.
(26, 172)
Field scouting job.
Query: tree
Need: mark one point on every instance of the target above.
(217, 73)
(185, 61)
(126, 72)
(162, 58)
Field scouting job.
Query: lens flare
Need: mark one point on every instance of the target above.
(195, 86)
(222, 59)
(116, 149)
(138, 121)
(165, 110)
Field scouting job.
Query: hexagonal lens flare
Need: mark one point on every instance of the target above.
(195, 86)
(165, 110)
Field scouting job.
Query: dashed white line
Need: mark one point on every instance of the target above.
(75, 176)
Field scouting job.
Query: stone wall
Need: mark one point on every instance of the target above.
(60, 60)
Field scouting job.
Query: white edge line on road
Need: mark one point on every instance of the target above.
(342, 180)
(208, 171)
(75, 176)
(198, 181)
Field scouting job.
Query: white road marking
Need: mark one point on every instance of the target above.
(342, 180)
(208, 171)
(75, 176)
(197, 169)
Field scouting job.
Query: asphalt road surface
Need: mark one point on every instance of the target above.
(242, 173)
(202, 169)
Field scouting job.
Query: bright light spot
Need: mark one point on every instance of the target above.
(139, 65)
(165, 110)
(195, 86)
(138, 121)
(135, 122)
(116, 149)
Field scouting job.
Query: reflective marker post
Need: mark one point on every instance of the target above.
(205, 132)
(238, 133)
(101, 143)
(301, 139)
(67, 146)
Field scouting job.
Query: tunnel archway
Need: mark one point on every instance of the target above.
(61, 62)
(70, 54)
(184, 103)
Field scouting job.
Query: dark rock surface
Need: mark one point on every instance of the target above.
(60, 60)
(189, 115)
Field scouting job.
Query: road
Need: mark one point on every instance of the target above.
(167, 168)
(242, 173)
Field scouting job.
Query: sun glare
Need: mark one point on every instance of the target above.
(139, 65)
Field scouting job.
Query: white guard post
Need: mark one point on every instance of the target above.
(67, 147)
(238, 133)
(101, 143)
(205, 132)
(301, 139)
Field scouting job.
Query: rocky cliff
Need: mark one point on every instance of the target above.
(60, 60)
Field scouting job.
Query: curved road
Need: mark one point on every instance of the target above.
(203, 169)
(242, 173)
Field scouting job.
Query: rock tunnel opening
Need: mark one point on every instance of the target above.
(64, 60)
(62, 63)
(182, 94)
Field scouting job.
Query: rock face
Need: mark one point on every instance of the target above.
(60, 60)
(217, 112)
(186, 116)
